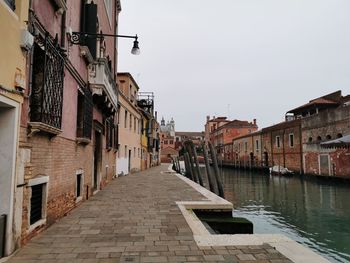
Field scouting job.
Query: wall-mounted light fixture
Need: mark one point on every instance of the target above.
(76, 38)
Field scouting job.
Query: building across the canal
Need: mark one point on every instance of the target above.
(313, 139)
(220, 131)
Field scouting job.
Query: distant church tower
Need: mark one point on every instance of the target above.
(162, 122)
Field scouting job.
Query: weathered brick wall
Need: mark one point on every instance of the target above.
(60, 159)
(325, 126)
(286, 155)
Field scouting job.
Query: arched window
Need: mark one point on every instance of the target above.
(310, 139)
(339, 135)
(319, 138)
(328, 137)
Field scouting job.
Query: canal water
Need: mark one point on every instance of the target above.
(315, 213)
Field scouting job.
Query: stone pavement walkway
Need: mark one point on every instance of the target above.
(134, 219)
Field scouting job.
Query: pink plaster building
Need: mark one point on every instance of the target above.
(69, 132)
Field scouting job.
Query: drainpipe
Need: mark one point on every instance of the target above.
(271, 145)
(301, 150)
(63, 29)
(283, 150)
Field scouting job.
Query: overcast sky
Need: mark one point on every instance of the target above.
(244, 59)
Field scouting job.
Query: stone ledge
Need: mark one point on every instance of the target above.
(286, 246)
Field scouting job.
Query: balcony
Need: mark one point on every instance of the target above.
(102, 83)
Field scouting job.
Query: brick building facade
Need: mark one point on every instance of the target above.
(312, 140)
(68, 134)
(319, 157)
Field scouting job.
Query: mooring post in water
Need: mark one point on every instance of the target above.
(187, 166)
(173, 167)
(178, 164)
(216, 170)
(190, 172)
(207, 168)
(197, 164)
(190, 155)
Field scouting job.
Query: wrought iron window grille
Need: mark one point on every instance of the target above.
(109, 132)
(84, 117)
(47, 82)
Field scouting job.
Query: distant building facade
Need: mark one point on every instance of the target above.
(129, 121)
(313, 140)
(167, 140)
(325, 126)
(220, 131)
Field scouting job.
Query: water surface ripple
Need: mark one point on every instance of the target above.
(313, 212)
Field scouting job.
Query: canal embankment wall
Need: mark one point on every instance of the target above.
(289, 248)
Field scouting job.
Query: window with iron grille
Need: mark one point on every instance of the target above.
(11, 4)
(47, 84)
(116, 136)
(84, 114)
(36, 202)
(109, 132)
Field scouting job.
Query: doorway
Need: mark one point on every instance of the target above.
(97, 159)
(266, 159)
(129, 162)
(8, 142)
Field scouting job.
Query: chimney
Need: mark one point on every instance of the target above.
(254, 121)
(208, 118)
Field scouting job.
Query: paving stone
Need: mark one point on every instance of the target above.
(134, 219)
(245, 257)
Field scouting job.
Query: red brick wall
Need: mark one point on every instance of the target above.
(286, 155)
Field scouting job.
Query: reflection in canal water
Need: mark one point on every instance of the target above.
(312, 212)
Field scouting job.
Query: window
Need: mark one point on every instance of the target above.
(36, 204)
(118, 115)
(84, 114)
(310, 139)
(125, 118)
(257, 145)
(130, 124)
(245, 146)
(109, 10)
(126, 151)
(134, 152)
(109, 126)
(11, 4)
(79, 185)
(278, 143)
(339, 135)
(171, 142)
(166, 142)
(38, 201)
(47, 85)
(138, 152)
(291, 140)
(135, 124)
(328, 137)
(116, 137)
(319, 138)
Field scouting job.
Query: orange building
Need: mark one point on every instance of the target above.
(223, 131)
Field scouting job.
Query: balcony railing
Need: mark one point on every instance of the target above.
(101, 81)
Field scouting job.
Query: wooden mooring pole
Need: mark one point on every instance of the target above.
(207, 168)
(216, 170)
(197, 164)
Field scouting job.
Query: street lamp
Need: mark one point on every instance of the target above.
(78, 37)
